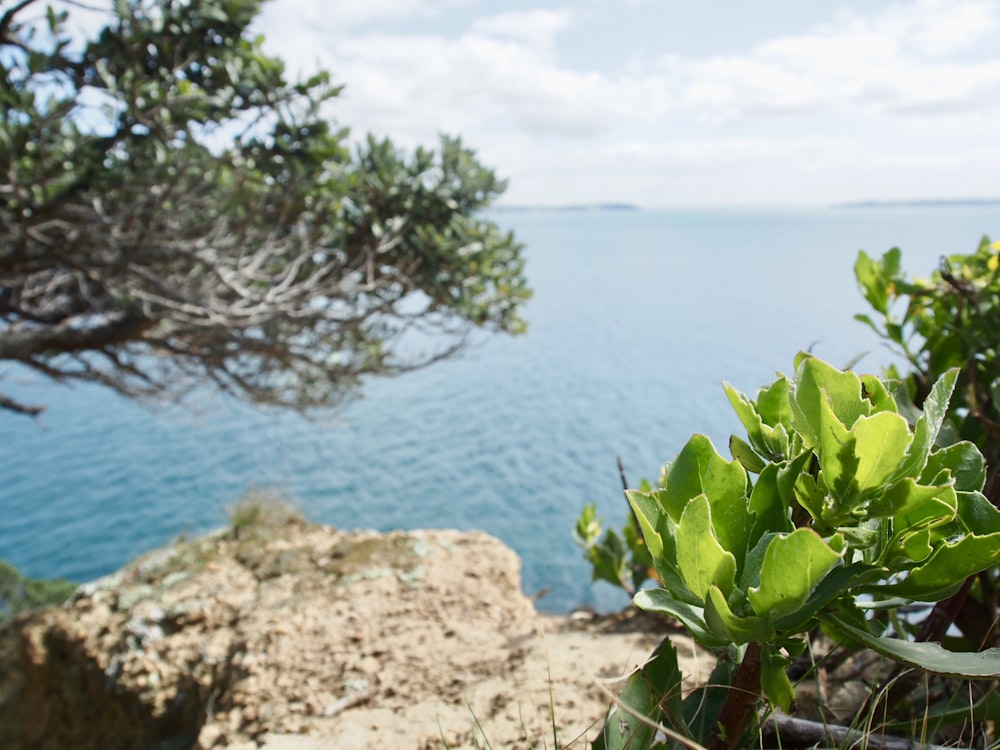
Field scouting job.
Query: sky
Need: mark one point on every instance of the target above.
(673, 103)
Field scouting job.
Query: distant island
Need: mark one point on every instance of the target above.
(926, 203)
(572, 207)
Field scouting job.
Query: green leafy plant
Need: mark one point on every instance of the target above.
(949, 320)
(838, 503)
(621, 559)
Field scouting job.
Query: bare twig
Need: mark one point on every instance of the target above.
(791, 732)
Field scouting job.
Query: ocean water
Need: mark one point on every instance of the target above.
(637, 318)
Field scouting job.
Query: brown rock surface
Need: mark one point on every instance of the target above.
(293, 636)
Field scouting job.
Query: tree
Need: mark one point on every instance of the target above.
(174, 210)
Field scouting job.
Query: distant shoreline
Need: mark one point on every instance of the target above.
(926, 203)
(572, 207)
(606, 207)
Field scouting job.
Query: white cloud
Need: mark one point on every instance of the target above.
(537, 28)
(837, 109)
(864, 64)
(939, 27)
(348, 14)
(485, 78)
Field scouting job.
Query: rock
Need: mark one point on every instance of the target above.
(304, 636)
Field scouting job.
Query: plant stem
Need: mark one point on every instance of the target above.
(741, 702)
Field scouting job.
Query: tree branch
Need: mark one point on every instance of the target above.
(19, 408)
(8, 19)
(740, 705)
(23, 344)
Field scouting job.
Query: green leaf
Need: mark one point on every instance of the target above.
(838, 581)
(608, 559)
(773, 405)
(881, 443)
(660, 533)
(794, 565)
(948, 566)
(648, 510)
(824, 394)
(906, 496)
(654, 693)
(702, 560)
(930, 657)
(750, 572)
(860, 537)
(835, 448)
(912, 528)
(904, 401)
(926, 430)
(915, 531)
(977, 514)
(774, 679)
(811, 495)
(965, 463)
(588, 525)
(693, 618)
(768, 506)
(874, 277)
(916, 547)
(866, 319)
(745, 455)
(699, 469)
(739, 630)
(876, 392)
(748, 416)
(789, 473)
(768, 420)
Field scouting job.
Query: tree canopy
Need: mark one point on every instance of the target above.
(174, 209)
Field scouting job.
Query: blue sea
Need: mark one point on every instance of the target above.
(637, 319)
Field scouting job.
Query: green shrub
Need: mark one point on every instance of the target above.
(837, 505)
(259, 510)
(949, 320)
(19, 594)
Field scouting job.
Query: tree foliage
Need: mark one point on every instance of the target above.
(174, 209)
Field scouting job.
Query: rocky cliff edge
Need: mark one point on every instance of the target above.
(292, 636)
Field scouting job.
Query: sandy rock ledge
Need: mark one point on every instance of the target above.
(295, 636)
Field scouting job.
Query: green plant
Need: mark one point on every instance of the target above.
(261, 509)
(838, 504)
(19, 594)
(621, 559)
(949, 320)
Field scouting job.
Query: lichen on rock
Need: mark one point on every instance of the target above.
(288, 634)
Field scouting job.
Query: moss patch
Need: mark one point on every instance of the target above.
(21, 594)
(354, 560)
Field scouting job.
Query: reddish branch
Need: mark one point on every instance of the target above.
(742, 701)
